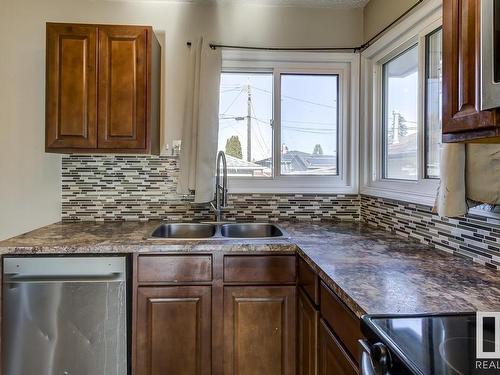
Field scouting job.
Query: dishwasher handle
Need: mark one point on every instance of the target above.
(15, 278)
(64, 269)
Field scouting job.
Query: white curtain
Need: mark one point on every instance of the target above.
(200, 123)
(470, 175)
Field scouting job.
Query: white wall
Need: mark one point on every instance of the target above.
(380, 13)
(29, 178)
(30, 181)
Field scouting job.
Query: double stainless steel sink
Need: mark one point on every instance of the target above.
(217, 230)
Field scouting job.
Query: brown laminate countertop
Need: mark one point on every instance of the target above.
(372, 270)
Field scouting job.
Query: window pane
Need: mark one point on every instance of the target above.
(433, 104)
(309, 111)
(400, 92)
(245, 123)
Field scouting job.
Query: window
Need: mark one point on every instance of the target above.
(285, 121)
(245, 123)
(309, 110)
(400, 98)
(433, 102)
(401, 109)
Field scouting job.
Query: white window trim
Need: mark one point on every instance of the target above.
(410, 31)
(346, 65)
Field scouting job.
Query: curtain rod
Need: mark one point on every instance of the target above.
(361, 48)
(215, 46)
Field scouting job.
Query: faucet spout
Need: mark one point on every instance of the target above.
(220, 186)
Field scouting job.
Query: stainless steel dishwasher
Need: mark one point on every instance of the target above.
(64, 316)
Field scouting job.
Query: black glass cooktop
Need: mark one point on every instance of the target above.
(435, 344)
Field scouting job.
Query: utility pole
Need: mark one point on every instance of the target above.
(249, 124)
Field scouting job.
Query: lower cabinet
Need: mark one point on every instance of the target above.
(173, 330)
(238, 314)
(307, 331)
(259, 330)
(333, 359)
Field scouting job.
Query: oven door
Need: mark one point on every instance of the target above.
(490, 54)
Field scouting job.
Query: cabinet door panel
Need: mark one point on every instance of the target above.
(123, 57)
(71, 76)
(307, 318)
(259, 325)
(462, 118)
(174, 330)
(332, 357)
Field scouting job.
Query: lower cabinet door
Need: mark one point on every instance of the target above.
(259, 330)
(173, 330)
(333, 359)
(307, 331)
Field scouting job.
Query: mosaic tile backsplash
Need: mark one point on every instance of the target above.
(96, 187)
(472, 236)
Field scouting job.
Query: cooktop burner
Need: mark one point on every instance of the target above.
(435, 344)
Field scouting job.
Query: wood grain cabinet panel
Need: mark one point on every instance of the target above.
(463, 119)
(307, 332)
(259, 327)
(309, 281)
(122, 87)
(277, 269)
(332, 357)
(342, 320)
(103, 89)
(173, 330)
(174, 268)
(71, 93)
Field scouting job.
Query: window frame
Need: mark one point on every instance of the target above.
(412, 30)
(426, 95)
(346, 66)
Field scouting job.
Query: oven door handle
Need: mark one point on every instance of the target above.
(366, 365)
(375, 359)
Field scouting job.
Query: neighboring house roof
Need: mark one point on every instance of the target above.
(235, 163)
(298, 161)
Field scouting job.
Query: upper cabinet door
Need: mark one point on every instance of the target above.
(123, 89)
(463, 119)
(71, 76)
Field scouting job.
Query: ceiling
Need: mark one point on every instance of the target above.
(286, 3)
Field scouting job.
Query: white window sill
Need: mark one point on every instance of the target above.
(423, 192)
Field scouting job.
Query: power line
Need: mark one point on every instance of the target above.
(309, 122)
(298, 99)
(259, 133)
(230, 105)
(311, 130)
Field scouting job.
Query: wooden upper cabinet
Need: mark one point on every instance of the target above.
(103, 89)
(71, 88)
(122, 87)
(463, 119)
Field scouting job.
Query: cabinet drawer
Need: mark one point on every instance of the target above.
(332, 357)
(260, 268)
(174, 268)
(309, 281)
(342, 320)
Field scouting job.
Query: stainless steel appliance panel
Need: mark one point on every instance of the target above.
(64, 316)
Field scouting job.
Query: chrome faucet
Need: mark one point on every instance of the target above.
(220, 190)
